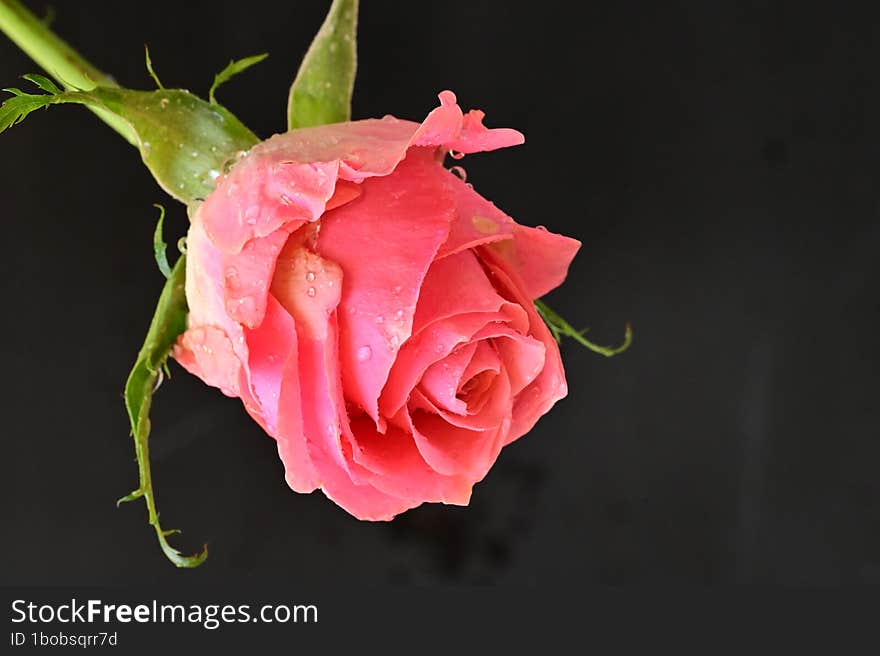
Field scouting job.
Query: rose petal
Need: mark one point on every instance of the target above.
(455, 285)
(205, 291)
(363, 501)
(452, 450)
(308, 287)
(492, 412)
(206, 352)
(395, 466)
(411, 210)
(261, 194)
(540, 258)
(477, 221)
(550, 385)
(246, 275)
(442, 379)
(485, 359)
(292, 177)
(293, 447)
(523, 356)
(479, 376)
(363, 149)
(374, 147)
(435, 342)
(270, 346)
(446, 126)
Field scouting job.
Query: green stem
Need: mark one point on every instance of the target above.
(57, 58)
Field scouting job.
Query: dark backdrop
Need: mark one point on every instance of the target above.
(719, 162)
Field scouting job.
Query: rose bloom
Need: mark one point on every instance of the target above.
(372, 311)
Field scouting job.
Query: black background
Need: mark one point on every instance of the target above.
(719, 162)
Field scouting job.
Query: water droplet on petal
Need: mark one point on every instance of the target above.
(364, 353)
(459, 172)
(310, 276)
(251, 214)
(393, 342)
(181, 244)
(399, 315)
(246, 305)
(311, 291)
(455, 154)
(541, 228)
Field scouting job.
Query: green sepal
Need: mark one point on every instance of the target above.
(184, 141)
(560, 328)
(169, 321)
(321, 92)
(234, 67)
(160, 248)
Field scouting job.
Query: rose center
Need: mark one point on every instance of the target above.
(473, 391)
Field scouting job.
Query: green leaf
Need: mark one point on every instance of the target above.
(169, 321)
(234, 68)
(159, 245)
(184, 140)
(150, 70)
(42, 81)
(14, 110)
(321, 92)
(559, 328)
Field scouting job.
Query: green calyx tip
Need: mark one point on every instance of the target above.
(159, 245)
(150, 70)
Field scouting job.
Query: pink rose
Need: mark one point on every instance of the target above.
(372, 311)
